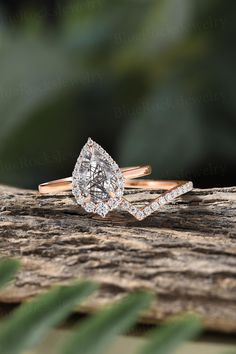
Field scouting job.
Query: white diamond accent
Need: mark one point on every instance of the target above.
(125, 204)
(140, 215)
(119, 193)
(162, 201)
(169, 197)
(80, 199)
(174, 194)
(147, 210)
(178, 191)
(89, 207)
(102, 209)
(133, 210)
(113, 203)
(155, 206)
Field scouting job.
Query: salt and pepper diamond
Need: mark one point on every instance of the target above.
(98, 183)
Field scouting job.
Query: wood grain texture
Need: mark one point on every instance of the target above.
(185, 254)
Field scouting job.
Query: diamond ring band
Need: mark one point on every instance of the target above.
(66, 184)
(98, 184)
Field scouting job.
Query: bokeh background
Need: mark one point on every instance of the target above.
(152, 81)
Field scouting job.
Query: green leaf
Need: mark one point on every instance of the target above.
(99, 331)
(8, 269)
(31, 322)
(166, 339)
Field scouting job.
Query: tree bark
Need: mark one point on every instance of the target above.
(185, 253)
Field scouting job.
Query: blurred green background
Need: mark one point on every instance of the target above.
(151, 81)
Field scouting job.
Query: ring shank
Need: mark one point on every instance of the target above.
(154, 184)
(65, 184)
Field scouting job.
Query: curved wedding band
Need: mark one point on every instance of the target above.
(172, 190)
(65, 184)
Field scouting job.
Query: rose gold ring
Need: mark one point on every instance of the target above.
(98, 184)
(65, 184)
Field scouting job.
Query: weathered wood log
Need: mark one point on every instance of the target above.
(185, 253)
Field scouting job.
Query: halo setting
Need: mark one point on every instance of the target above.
(97, 181)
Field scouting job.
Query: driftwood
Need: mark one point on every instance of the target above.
(185, 254)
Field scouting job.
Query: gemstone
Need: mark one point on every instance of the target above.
(89, 207)
(125, 204)
(102, 209)
(147, 210)
(113, 203)
(140, 215)
(97, 179)
(80, 198)
(133, 210)
(174, 194)
(155, 206)
(169, 197)
(178, 191)
(162, 201)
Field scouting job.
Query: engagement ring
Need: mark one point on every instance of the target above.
(98, 184)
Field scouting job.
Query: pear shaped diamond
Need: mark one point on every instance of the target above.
(98, 183)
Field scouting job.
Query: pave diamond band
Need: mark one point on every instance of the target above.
(98, 184)
(174, 190)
